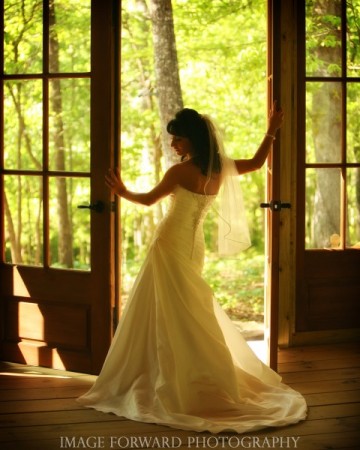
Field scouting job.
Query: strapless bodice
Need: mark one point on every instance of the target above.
(182, 225)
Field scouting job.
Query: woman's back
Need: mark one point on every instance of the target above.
(181, 229)
(193, 180)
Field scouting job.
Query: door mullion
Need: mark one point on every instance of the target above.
(2, 195)
(343, 188)
(45, 79)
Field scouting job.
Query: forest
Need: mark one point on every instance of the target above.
(206, 55)
(219, 71)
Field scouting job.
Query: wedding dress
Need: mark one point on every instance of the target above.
(176, 358)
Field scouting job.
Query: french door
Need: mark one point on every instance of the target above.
(328, 243)
(58, 108)
(316, 168)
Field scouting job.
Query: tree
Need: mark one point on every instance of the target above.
(324, 60)
(222, 73)
(221, 51)
(65, 249)
(69, 116)
(23, 230)
(168, 87)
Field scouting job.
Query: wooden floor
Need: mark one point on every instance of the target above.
(38, 410)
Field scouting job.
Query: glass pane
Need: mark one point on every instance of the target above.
(353, 208)
(323, 38)
(23, 220)
(353, 38)
(23, 124)
(69, 226)
(69, 36)
(353, 123)
(322, 208)
(23, 36)
(69, 125)
(323, 122)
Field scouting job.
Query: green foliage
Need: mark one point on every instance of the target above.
(23, 36)
(72, 31)
(221, 49)
(323, 22)
(24, 130)
(238, 284)
(324, 119)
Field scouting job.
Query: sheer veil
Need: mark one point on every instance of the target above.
(233, 230)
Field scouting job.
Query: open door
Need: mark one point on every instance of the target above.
(57, 105)
(328, 238)
(313, 247)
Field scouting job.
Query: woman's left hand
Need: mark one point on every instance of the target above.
(276, 118)
(114, 182)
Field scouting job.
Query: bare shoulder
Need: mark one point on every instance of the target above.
(190, 177)
(183, 168)
(174, 170)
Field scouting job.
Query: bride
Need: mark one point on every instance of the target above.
(176, 358)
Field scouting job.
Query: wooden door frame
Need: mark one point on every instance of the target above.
(281, 227)
(288, 169)
(271, 219)
(104, 109)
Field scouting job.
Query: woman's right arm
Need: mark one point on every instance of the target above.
(165, 187)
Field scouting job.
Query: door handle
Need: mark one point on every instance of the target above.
(275, 205)
(97, 206)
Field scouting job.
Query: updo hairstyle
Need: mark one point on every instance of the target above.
(190, 124)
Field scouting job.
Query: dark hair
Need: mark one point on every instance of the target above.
(190, 124)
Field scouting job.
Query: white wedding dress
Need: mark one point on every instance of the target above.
(176, 358)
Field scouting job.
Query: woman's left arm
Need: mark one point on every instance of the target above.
(276, 119)
(165, 187)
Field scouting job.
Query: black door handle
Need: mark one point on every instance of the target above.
(97, 206)
(275, 205)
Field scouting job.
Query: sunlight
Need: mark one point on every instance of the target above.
(39, 354)
(19, 286)
(31, 321)
(260, 350)
(31, 374)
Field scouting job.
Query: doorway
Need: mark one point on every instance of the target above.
(222, 73)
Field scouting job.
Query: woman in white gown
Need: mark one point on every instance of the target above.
(176, 358)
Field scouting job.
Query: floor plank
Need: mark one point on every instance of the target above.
(333, 398)
(311, 387)
(39, 405)
(348, 362)
(38, 408)
(321, 375)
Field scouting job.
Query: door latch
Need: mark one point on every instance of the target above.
(97, 206)
(275, 205)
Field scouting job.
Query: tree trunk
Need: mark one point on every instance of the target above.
(148, 103)
(23, 134)
(65, 256)
(168, 87)
(327, 142)
(327, 138)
